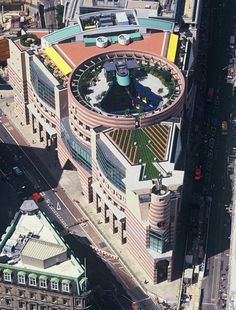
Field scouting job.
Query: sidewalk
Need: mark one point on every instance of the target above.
(168, 291)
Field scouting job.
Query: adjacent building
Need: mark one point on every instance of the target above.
(38, 270)
(108, 94)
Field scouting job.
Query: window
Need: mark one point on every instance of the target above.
(54, 299)
(8, 302)
(21, 278)
(42, 282)
(113, 170)
(43, 307)
(158, 243)
(32, 296)
(8, 290)
(32, 307)
(43, 297)
(21, 305)
(54, 284)
(65, 287)
(32, 280)
(21, 294)
(65, 302)
(7, 275)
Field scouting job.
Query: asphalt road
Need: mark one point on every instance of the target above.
(215, 183)
(109, 292)
(14, 189)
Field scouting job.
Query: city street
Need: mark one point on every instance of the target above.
(62, 211)
(213, 156)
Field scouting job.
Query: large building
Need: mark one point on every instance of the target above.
(38, 270)
(106, 93)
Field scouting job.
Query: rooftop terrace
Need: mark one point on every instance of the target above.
(143, 146)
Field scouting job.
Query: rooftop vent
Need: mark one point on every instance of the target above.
(102, 42)
(123, 39)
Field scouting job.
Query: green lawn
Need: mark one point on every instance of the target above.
(145, 154)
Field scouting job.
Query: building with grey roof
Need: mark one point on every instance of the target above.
(37, 268)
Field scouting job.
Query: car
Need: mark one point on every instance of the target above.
(208, 165)
(37, 197)
(210, 154)
(198, 173)
(17, 171)
(211, 142)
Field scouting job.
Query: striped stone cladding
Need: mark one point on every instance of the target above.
(159, 211)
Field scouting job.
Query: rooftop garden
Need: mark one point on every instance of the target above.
(143, 146)
(149, 88)
(28, 39)
(164, 76)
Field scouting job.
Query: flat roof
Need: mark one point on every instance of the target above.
(156, 23)
(61, 64)
(33, 235)
(76, 52)
(62, 34)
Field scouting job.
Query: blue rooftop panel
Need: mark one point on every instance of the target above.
(62, 34)
(156, 23)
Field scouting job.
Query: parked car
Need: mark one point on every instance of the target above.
(37, 197)
(17, 171)
(198, 173)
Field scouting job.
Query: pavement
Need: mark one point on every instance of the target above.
(65, 185)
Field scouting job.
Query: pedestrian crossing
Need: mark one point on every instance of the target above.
(58, 216)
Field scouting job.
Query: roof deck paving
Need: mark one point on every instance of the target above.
(76, 52)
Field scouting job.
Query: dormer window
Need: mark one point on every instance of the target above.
(55, 284)
(7, 275)
(21, 277)
(43, 281)
(65, 286)
(32, 279)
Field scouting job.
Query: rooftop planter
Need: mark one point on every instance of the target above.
(28, 39)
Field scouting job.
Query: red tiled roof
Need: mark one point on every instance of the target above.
(76, 52)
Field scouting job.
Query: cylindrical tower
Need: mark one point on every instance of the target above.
(159, 212)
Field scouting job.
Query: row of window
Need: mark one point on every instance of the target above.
(112, 173)
(79, 153)
(42, 85)
(158, 243)
(42, 282)
(22, 305)
(32, 295)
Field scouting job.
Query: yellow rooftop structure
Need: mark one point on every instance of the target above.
(61, 64)
(172, 48)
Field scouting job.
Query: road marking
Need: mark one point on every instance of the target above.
(81, 211)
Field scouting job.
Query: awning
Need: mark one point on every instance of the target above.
(172, 48)
(65, 281)
(7, 271)
(54, 280)
(42, 277)
(32, 275)
(61, 64)
(21, 273)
